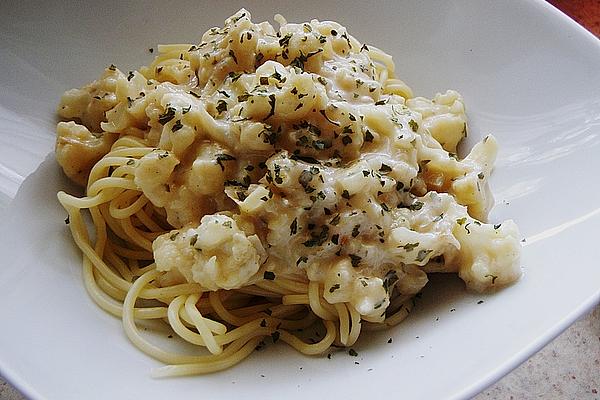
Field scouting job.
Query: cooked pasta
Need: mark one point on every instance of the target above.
(266, 180)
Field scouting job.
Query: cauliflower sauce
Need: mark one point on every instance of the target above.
(284, 164)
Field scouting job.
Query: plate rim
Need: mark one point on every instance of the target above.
(26, 388)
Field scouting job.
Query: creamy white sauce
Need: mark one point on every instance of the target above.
(325, 164)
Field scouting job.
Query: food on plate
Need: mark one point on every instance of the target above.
(265, 180)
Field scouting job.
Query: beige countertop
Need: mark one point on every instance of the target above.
(567, 368)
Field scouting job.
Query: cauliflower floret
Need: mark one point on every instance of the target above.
(365, 293)
(489, 256)
(217, 254)
(473, 189)
(443, 117)
(78, 149)
(153, 174)
(89, 104)
(370, 298)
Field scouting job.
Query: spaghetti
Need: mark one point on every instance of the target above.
(265, 181)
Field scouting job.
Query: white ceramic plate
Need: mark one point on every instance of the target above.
(529, 75)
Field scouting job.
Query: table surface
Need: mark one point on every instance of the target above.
(586, 12)
(569, 366)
